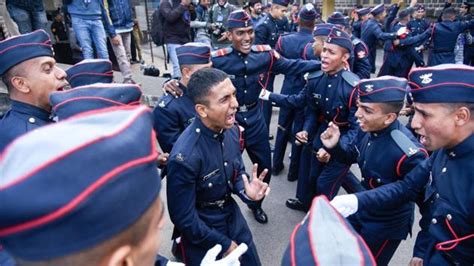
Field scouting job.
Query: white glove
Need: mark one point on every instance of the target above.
(264, 95)
(231, 260)
(402, 31)
(346, 205)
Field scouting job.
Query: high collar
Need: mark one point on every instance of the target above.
(29, 109)
(306, 30)
(203, 129)
(385, 131)
(463, 148)
(337, 74)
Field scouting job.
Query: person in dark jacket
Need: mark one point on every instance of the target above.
(177, 29)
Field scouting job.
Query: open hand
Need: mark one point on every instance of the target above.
(256, 189)
(330, 137)
(172, 87)
(230, 259)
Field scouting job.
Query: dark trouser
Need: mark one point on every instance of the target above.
(256, 140)
(372, 55)
(267, 105)
(469, 55)
(228, 221)
(382, 250)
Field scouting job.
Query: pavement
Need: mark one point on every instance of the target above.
(271, 239)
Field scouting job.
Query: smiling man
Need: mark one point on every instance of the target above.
(30, 74)
(444, 105)
(380, 101)
(205, 168)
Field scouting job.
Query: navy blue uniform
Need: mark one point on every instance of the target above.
(443, 41)
(20, 119)
(357, 28)
(446, 179)
(200, 191)
(383, 229)
(329, 98)
(360, 64)
(171, 116)
(370, 35)
(250, 73)
(469, 43)
(292, 46)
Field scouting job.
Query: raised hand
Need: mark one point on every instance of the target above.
(256, 189)
(172, 87)
(330, 136)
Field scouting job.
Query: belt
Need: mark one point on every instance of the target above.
(246, 107)
(218, 204)
(441, 50)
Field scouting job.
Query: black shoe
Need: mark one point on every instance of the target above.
(292, 176)
(276, 170)
(270, 137)
(295, 204)
(260, 215)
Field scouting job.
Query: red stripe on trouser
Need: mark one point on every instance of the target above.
(381, 249)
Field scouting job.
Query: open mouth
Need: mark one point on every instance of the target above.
(423, 140)
(230, 118)
(246, 46)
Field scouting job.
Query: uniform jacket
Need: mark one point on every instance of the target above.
(360, 59)
(267, 31)
(177, 27)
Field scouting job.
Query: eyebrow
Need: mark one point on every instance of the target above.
(423, 112)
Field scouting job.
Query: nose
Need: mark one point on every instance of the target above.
(358, 113)
(60, 74)
(234, 103)
(416, 121)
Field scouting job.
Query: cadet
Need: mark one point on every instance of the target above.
(50, 230)
(444, 37)
(30, 74)
(417, 25)
(173, 115)
(205, 168)
(359, 60)
(364, 15)
(324, 238)
(444, 120)
(385, 151)
(249, 68)
(372, 32)
(90, 71)
(292, 46)
(331, 96)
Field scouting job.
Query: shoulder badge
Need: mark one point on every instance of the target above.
(261, 48)
(315, 74)
(180, 157)
(165, 100)
(221, 52)
(404, 143)
(361, 54)
(350, 78)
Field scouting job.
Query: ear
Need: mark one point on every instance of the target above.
(391, 117)
(186, 72)
(20, 84)
(229, 35)
(345, 57)
(121, 256)
(462, 116)
(201, 110)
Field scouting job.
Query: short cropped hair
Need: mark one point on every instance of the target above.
(201, 83)
(392, 107)
(454, 106)
(15, 71)
(450, 11)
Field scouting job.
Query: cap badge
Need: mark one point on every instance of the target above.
(369, 88)
(426, 78)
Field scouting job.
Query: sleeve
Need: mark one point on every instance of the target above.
(261, 34)
(383, 36)
(347, 154)
(107, 21)
(171, 14)
(417, 39)
(392, 14)
(293, 101)
(167, 128)
(181, 184)
(293, 66)
(393, 194)
(311, 112)
(423, 239)
(239, 188)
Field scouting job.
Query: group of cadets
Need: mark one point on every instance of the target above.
(331, 111)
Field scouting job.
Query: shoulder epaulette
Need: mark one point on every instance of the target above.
(404, 143)
(221, 52)
(261, 48)
(314, 74)
(350, 78)
(165, 100)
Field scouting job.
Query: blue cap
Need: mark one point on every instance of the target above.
(284, 3)
(193, 53)
(23, 47)
(93, 97)
(239, 19)
(82, 188)
(446, 83)
(308, 13)
(378, 9)
(341, 38)
(337, 18)
(382, 89)
(322, 29)
(419, 7)
(90, 71)
(363, 11)
(325, 238)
